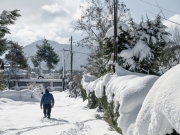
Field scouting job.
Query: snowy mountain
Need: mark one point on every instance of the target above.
(79, 54)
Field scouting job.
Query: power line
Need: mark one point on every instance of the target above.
(59, 51)
(81, 52)
(77, 59)
(160, 7)
(164, 18)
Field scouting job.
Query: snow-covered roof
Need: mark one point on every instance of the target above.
(39, 80)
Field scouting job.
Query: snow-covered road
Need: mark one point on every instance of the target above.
(69, 117)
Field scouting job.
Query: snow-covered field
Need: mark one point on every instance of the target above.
(69, 116)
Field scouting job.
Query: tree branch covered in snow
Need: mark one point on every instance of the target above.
(96, 19)
(140, 46)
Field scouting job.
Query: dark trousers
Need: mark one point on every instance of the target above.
(47, 110)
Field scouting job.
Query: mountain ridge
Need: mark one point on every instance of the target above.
(80, 54)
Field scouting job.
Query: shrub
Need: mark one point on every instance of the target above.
(109, 114)
(83, 93)
(173, 133)
(92, 100)
(2, 81)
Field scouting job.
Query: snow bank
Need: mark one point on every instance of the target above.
(23, 95)
(161, 109)
(126, 89)
(148, 104)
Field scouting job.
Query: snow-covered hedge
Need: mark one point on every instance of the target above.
(148, 104)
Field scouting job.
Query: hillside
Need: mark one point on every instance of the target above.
(79, 54)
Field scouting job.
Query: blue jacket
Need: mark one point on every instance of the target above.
(47, 98)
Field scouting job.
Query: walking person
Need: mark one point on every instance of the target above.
(47, 101)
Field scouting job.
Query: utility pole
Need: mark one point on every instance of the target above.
(115, 32)
(71, 59)
(63, 68)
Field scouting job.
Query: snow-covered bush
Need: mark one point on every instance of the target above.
(125, 92)
(110, 114)
(92, 100)
(160, 110)
(146, 104)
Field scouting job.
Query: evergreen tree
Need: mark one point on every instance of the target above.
(15, 56)
(6, 18)
(2, 46)
(156, 38)
(45, 53)
(125, 41)
(143, 46)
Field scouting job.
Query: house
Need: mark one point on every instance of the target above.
(51, 84)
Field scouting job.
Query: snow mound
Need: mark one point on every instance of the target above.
(148, 104)
(23, 95)
(85, 82)
(126, 89)
(160, 110)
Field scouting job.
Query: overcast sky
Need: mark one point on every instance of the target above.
(53, 19)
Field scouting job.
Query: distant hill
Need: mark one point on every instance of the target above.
(79, 54)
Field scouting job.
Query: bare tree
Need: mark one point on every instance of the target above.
(171, 54)
(176, 35)
(96, 19)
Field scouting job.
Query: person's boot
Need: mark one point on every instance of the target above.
(45, 116)
(48, 117)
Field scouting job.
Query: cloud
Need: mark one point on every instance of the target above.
(51, 21)
(174, 18)
(32, 32)
(51, 11)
